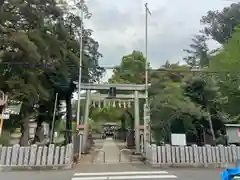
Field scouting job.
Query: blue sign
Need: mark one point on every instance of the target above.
(231, 173)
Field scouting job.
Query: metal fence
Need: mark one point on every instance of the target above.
(196, 156)
(36, 155)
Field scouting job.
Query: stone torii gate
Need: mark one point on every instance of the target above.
(134, 97)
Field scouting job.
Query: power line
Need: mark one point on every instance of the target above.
(27, 65)
(180, 70)
(46, 66)
(190, 71)
(31, 65)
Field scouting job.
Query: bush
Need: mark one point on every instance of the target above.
(5, 138)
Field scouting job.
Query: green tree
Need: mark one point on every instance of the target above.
(206, 94)
(198, 52)
(171, 110)
(227, 63)
(39, 57)
(221, 24)
(130, 70)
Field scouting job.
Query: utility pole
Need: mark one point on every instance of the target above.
(147, 12)
(80, 62)
(146, 116)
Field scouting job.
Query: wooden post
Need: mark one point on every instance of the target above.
(3, 102)
(1, 126)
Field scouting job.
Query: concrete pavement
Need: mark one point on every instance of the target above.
(111, 152)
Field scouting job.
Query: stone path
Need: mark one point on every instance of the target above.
(111, 153)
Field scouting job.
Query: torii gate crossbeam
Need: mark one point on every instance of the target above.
(124, 87)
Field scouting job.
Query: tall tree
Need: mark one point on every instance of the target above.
(130, 70)
(220, 24)
(205, 93)
(228, 64)
(39, 56)
(198, 52)
(171, 110)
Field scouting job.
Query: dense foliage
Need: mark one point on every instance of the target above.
(39, 57)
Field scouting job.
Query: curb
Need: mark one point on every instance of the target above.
(6, 168)
(192, 165)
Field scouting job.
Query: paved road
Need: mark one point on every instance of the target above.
(120, 172)
(123, 175)
(197, 174)
(114, 171)
(138, 170)
(37, 175)
(141, 171)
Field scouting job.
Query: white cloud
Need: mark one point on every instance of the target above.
(119, 27)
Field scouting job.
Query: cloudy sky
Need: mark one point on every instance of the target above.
(118, 26)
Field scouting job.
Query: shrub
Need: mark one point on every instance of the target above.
(5, 138)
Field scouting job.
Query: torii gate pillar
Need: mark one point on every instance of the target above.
(123, 87)
(137, 121)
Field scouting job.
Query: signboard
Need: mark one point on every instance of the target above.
(4, 116)
(178, 139)
(13, 109)
(233, 133)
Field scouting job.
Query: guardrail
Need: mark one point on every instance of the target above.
(95, 152)
(124, 150)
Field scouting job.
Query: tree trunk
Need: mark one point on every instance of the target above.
(39, 131)
(68, 134)
(25, 132)
(123, 123)
(211, 126)
(2, 2)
